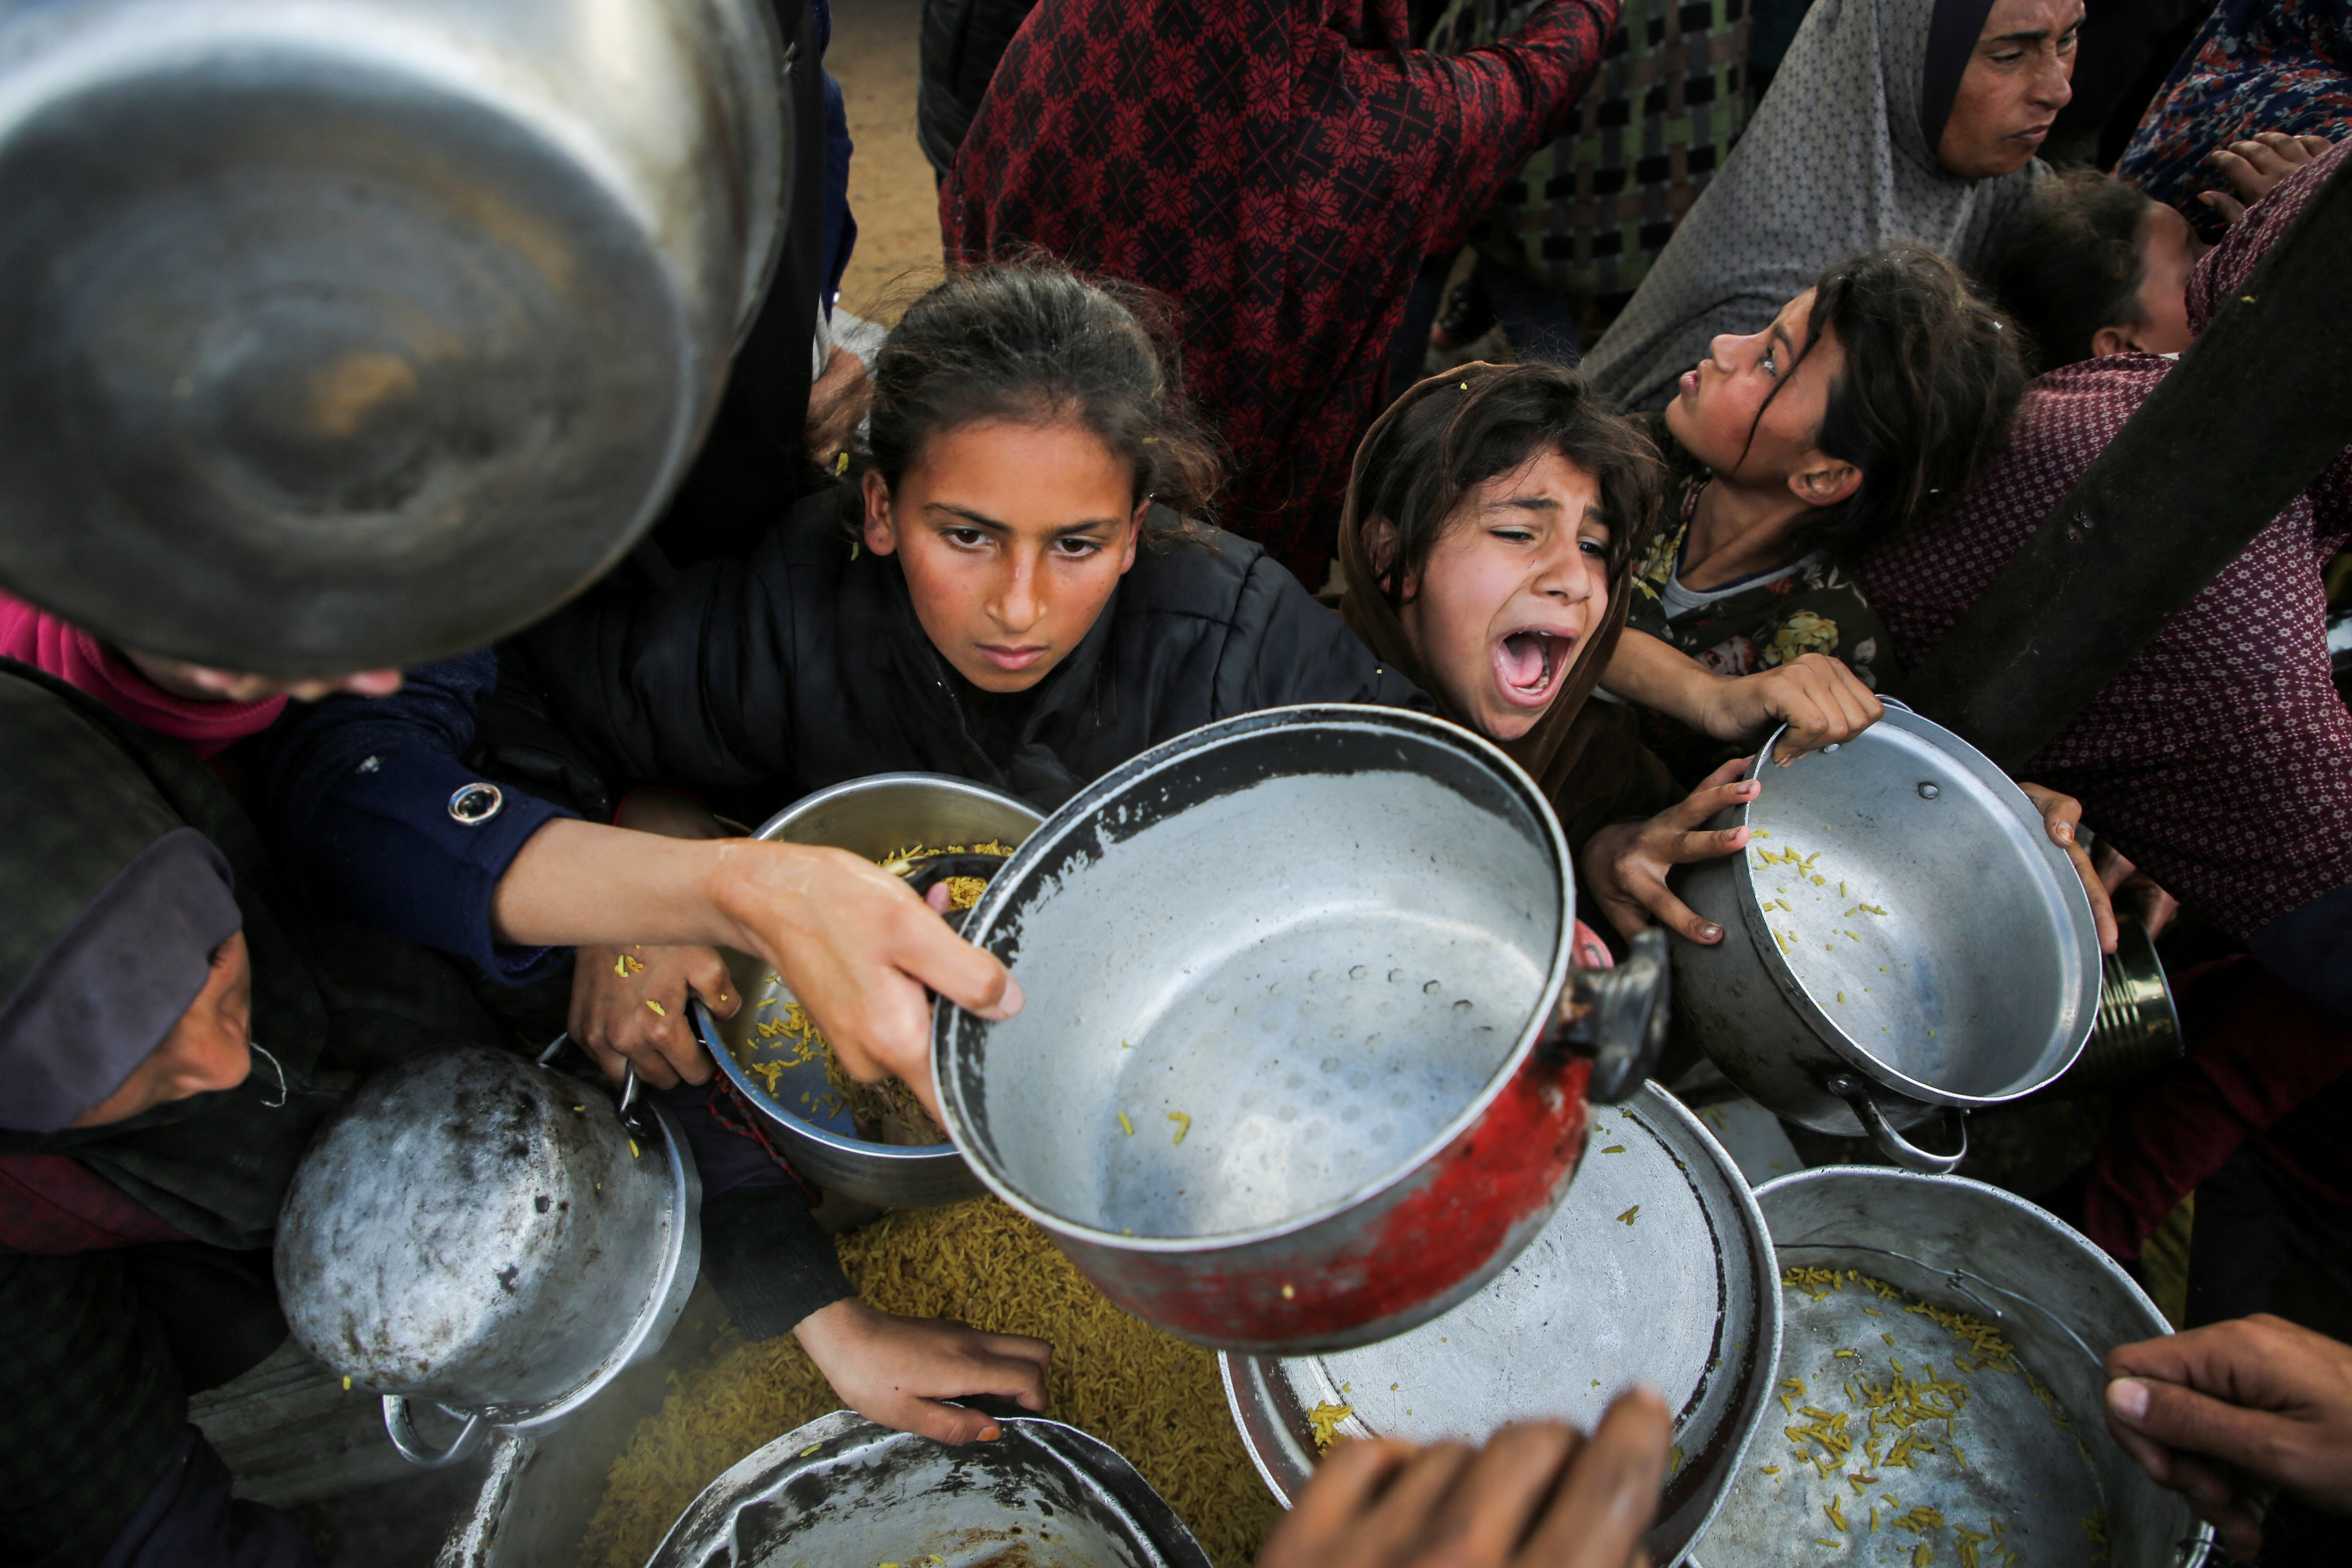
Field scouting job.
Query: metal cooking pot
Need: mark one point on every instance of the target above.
(842, 1490)
(874, 817)
(1900, 939)
(347, 334)
(2041, 1470)
(1304, 1062)
(489, 1236)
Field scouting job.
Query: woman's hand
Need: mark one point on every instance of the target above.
(628, 1008)
(1626, 865)
(1540, 1495)
(858, 948)
(2254, 166)
(1822, 703)
(895, 1371)
(2060, 816)
(2230, 1412)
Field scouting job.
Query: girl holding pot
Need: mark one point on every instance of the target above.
(1492, 524)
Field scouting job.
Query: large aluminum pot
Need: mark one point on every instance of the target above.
(489, 1236)
(2026, 1476)
(874, 817)
(1304, 1062)
(1900, 938)
(345, 333)
(843, 1491)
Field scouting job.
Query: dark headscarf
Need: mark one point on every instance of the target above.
(1585, 757)
(118, 975)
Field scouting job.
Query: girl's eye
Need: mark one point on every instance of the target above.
(969, 538)
(1514, 535)
(1593, 546)
(1077, 547)
(1771, 363)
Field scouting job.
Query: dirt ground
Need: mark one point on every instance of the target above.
(890, 188)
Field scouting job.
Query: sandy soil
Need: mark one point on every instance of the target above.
(890, 188)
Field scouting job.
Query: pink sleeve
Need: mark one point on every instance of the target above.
(59, 648)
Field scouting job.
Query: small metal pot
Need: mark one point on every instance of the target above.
(1304, 1061)
(872, 817)
(1932, 952)
(491, 1236)
(2039, 1469)
(344, 333)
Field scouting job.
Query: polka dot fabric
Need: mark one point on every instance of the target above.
(2220, 759)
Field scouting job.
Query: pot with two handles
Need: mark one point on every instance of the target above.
(347, 334)
(1305, 1061)
(1901, 941)
(491, 1235)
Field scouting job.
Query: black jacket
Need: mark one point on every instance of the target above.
(960, 42)
(753, 683)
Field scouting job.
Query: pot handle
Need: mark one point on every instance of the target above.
(401, 1428)
(1890, 1143)
(1616, 1018)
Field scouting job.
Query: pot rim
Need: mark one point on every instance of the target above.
(1879, 1074)
(949, 1021)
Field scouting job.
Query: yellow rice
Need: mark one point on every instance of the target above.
(1153, 1398)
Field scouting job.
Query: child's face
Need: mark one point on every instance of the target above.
(1511, 589)
(207, 1051)
(1719, 399)
(1013, 538)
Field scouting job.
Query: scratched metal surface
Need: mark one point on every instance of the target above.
(1681, 1297)
(2020, 1476)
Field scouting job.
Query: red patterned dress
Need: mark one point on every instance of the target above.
(2221, 758)
(1280, 169)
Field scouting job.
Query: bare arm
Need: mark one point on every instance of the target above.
(855, 943)
(1820, 701)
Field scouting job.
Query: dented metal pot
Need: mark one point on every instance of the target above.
(1303, 1060)
(489, 1235)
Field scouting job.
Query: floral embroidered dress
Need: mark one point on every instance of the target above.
(1813, 604)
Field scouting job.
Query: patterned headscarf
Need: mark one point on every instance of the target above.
(1839, 155)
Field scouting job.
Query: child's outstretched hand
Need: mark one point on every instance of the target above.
(1626, 864)
(628, 1009)
(1822, 703)
(895, 1371)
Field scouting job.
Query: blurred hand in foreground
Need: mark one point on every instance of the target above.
(1537, 1495)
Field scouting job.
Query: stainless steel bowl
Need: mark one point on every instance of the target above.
(872, 817)
(484, 1234)
(1934, 948)
(346, 334)
(846, 1492)
(1303, 1060)
(1655, 1267)
(2039, 1470)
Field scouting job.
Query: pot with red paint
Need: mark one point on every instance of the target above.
(1305, 1059)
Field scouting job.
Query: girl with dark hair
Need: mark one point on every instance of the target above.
(1866, 403)
(1019, 596)
(1491, 526)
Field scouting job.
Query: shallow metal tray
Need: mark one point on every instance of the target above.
(1657, 1267)
(841, 1492)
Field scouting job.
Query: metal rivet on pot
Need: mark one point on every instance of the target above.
(1928, 791)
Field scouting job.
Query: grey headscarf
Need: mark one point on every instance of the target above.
(1840, 156)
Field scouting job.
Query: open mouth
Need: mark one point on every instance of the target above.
(1527, 666)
